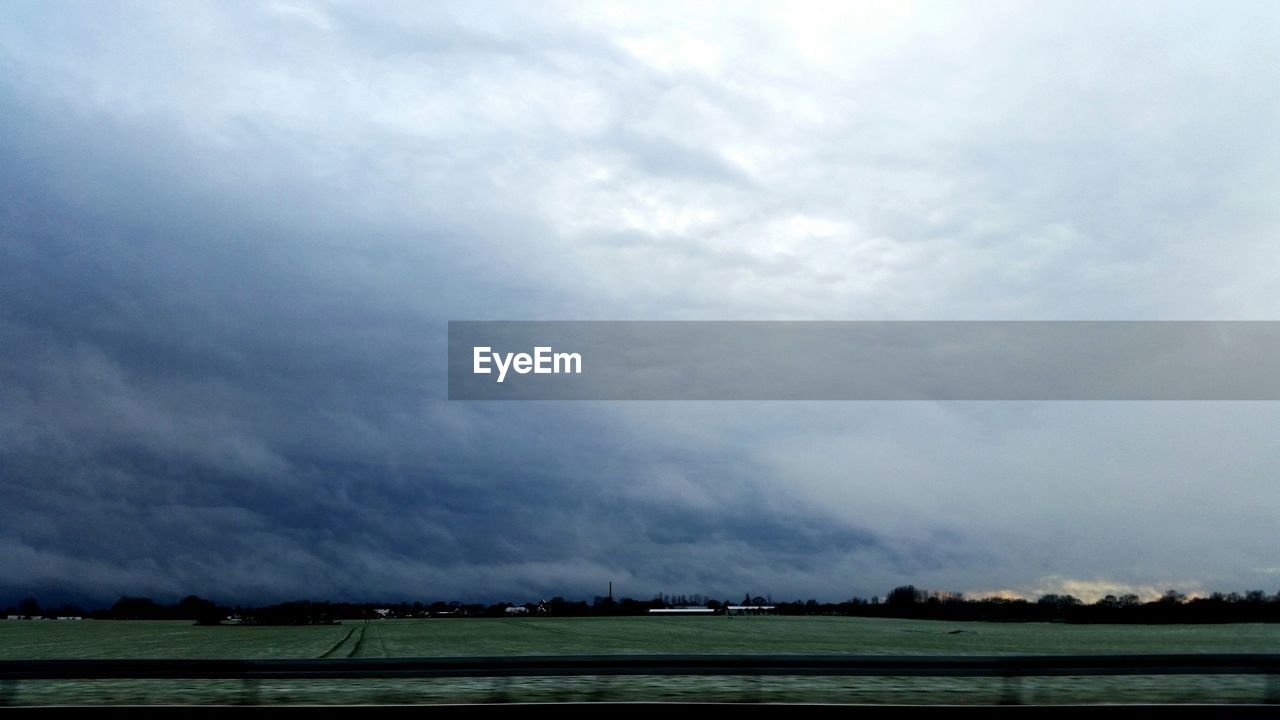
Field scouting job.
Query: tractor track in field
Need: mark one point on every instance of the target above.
(364, 631)
(355, 642)
(330, 652)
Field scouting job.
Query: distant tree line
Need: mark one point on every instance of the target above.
(905, 601)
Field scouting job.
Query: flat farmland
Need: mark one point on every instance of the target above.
(639, 635)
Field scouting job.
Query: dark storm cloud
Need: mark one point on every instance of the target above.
(231, 237)
(179, 419)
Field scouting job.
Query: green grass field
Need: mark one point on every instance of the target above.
(590, 636)
(642, 635)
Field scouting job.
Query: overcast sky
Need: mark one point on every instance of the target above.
(231, 236)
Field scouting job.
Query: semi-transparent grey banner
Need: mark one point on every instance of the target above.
(919, 360)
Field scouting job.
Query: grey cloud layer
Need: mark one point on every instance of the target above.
(232, 234)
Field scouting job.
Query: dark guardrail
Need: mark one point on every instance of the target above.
(582, 665)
